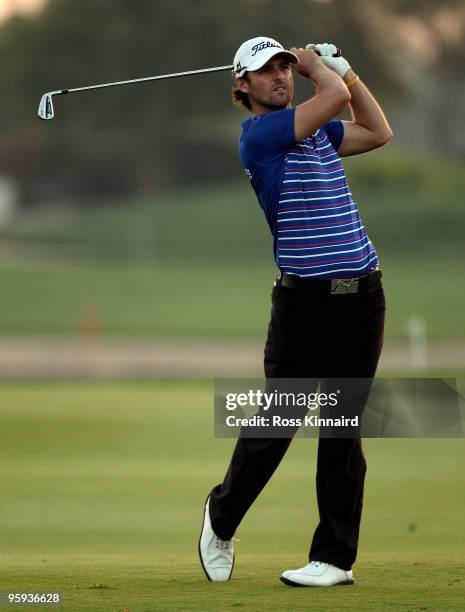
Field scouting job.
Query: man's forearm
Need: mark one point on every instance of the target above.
(331, 96)
(364, 108)
(325, 78)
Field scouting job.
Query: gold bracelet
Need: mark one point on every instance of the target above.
(353, 81)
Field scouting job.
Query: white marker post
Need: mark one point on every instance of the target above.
(418, 348)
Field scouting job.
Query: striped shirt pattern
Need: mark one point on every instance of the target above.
(319, 232)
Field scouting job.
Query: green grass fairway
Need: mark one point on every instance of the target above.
(102, 487)
(173, 582)
(205, 300)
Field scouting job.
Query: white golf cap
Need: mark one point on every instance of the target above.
(254, 53)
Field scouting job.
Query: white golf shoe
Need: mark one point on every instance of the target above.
(317, 574)
(216, 555)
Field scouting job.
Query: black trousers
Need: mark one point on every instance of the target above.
(311, 336)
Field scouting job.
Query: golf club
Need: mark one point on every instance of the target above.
(46, 110)
(46, 103)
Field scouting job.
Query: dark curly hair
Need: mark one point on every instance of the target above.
(239, 98)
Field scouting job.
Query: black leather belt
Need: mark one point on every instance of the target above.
(335, 286)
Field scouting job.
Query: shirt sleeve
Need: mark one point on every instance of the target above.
(271, 135)
(335, 133)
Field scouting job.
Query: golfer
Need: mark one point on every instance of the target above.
(328, 305)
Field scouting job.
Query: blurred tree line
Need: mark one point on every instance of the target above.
(156, 136)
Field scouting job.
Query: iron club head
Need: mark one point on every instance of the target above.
(46, 106)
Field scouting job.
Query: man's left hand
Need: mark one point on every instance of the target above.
(326, 51)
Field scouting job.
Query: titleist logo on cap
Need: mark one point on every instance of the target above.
(263, 45)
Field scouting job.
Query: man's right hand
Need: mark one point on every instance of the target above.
(309, 62)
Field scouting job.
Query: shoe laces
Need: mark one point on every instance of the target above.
(224, 544)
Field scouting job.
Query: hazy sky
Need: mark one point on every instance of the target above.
(7, 7)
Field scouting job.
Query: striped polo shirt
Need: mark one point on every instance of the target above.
(302, 189)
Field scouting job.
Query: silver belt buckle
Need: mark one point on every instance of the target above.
(344, 286)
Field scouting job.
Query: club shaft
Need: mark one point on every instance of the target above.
(145, 79)
(46, 105)
(153, 78)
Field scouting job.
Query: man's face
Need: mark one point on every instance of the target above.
(271, 87)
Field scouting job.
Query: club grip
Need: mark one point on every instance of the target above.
(337, 54)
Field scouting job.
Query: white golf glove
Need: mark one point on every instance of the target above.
(326, 51)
